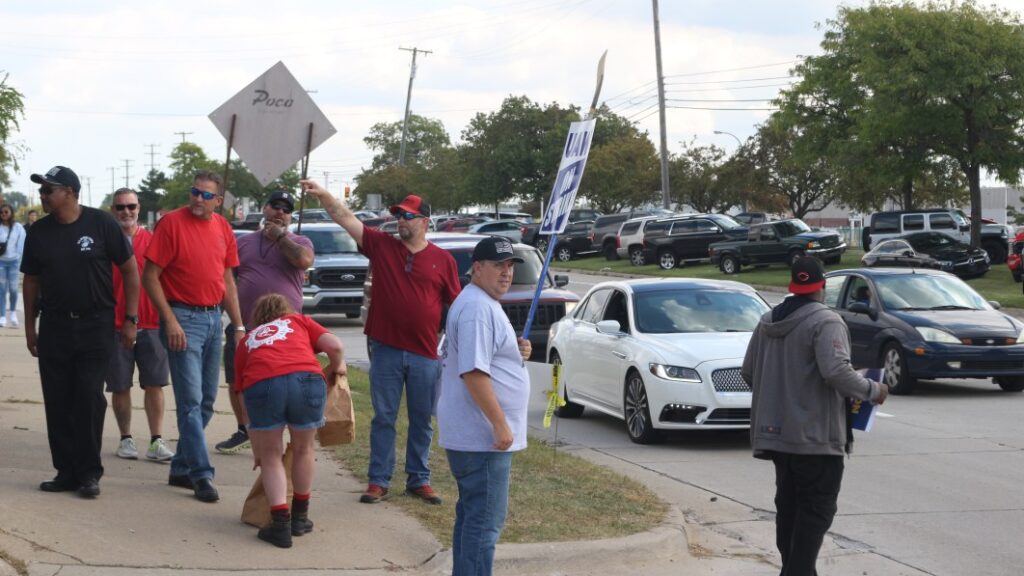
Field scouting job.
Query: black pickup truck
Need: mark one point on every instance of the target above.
(781, 241)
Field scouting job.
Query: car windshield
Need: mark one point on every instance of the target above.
(792, 228)
(930, 241)
(927, 292)
(726, 222)
(697, 310)
(526, 273)
(330, 241)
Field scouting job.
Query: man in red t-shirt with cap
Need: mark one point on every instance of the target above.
(412, 281)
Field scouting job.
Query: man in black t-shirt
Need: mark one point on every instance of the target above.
(69, 279)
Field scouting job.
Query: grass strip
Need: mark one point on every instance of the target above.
(554, 496)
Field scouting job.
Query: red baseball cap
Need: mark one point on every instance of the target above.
(414, 204)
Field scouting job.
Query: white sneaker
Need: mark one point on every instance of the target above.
(158, 451)
(14, 321)
(127, 449)
(3, 321)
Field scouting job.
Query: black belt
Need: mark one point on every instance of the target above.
(74, 314)
(195, 308)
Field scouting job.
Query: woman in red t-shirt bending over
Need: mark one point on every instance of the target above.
(277, 372)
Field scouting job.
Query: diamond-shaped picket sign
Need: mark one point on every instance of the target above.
(272, 118)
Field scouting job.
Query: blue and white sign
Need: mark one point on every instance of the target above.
(570, 172)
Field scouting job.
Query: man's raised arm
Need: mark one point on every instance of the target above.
(336, 209)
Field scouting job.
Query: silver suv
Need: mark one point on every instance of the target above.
(334, 284)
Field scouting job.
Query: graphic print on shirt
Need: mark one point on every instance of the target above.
(85, 244)
(267, 334)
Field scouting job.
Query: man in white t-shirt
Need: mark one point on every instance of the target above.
(481, 412)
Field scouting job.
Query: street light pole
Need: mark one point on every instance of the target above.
(738, 142)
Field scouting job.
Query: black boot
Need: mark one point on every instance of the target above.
(301, 524)
(279, 533)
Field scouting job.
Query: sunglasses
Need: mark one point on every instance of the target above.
(120, 207)
(206, 195)
(282, 207)
(47, 190)
(409, 215)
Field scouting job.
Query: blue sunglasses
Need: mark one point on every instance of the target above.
(206, 195)
(409, 215)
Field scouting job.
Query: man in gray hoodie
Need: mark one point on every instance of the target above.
(798, 366)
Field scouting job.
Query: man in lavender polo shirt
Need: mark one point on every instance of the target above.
(272, 260)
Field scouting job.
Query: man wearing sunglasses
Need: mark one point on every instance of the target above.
(189, 279)
(67, 266)
(272, 260)
(146, 352)
(412, 280)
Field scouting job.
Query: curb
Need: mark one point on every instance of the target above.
(668, 540)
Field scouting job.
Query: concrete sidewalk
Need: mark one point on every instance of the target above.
(140, 525)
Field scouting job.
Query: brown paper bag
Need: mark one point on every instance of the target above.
(256, 510)
(340, 427)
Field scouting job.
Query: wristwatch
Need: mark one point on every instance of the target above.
(132, 319)
(239, 328)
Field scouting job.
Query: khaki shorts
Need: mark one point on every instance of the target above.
(150, 356)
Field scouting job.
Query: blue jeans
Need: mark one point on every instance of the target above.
(195, 373)
(391, 370)
(9, 285)
(295, 400)
(480, 512)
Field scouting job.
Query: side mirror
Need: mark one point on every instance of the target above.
(561, 280)
(610, 327)
(862, 308)
(995, 304)
(908, 253)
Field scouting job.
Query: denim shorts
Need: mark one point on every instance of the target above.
(296, 400)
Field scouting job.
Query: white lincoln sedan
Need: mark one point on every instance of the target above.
(661, 354)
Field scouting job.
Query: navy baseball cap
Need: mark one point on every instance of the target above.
(282, 196)
(495, 249)
(59, 176)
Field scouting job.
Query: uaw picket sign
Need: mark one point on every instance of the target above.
(272, 118)
(570, 171)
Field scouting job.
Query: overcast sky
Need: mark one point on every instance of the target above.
(104, 80)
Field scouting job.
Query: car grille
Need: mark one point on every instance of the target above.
(829, 241)
(729, 380)
(725, 416)
(992, 365)
(340, 278)
(547, 314)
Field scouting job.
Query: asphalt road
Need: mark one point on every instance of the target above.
(935, 486)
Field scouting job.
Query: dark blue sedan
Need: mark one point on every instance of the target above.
(925, 324)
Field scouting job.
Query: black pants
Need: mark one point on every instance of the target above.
(806, 490)
(73, 358)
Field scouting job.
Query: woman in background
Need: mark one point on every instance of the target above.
(12, 239)
(279, 376)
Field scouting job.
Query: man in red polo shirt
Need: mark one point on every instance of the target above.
(188, 277)
(412, 280)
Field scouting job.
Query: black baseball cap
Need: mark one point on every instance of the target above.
(807, 275)
(59, 176)
(282, 196)
(495, 249)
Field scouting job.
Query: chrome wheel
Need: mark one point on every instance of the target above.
(667, 260)
(637, 411)
(563, 253)
(636, 256)
(897, 373)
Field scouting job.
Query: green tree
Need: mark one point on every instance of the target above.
(12, 108)
(425, 138)
(150, 189)
(16, 200)
(698, 179)
(620, 173)
(903, 89)
(186, 159)
(513, 154)
(801, 183)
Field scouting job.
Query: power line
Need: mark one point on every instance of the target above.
(734, 69)
(152, 156)
(725, 109)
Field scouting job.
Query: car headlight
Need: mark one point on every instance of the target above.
(936, 335)
(569, 307)
(677, 373)
(1020, 339)
(813, 244)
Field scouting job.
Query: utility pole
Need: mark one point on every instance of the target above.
(127, 165)
(88, 190)
(408, 100)
(661, 110)
(113, 179)
(183, 134)
(152, 156)
(327, 181)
